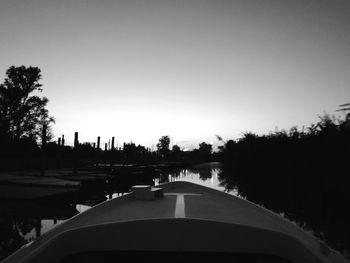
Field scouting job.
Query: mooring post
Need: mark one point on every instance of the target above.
(97, 151)
(112, 153)
(58, 153)
(75, 153)
(105, 155)
(62, 151)
(43, 150)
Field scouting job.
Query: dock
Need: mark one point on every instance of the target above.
(30, 185)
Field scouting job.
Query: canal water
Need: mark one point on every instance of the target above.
(23, 221)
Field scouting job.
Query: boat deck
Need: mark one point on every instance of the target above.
(183, 209)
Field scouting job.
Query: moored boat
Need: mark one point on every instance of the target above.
(174, 221)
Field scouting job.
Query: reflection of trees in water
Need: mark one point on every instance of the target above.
(13, 234)
(226, 181)
(230, 185)
(17, 232)
(329, 226)
(22, 222)
(25, 226)
(204, 172)
(166, 177)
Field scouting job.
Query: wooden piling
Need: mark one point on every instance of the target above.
(43, 150)
(58, 153)
(97, 151)
(112, 153)
(62, 151)
(105, 155)
(75, 153)
(76, 141)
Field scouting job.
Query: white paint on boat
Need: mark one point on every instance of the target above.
(180, 204)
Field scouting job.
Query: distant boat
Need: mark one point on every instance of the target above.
(176, 221)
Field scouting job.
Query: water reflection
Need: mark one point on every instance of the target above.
(208, 178)
(24, 221)
(11, 237)
(40, 227)
(208, 174)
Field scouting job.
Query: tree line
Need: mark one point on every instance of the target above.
(23, 114)
(302, 173)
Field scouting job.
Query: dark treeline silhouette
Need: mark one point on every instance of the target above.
(26, 134)
(304, 174)
(26, 154)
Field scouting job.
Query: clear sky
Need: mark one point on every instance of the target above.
(190, 69)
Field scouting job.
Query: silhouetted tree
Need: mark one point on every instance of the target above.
(176, 153)
(163, 145)
(204, 152)
(205, 148)
(133, 153)
(22, 114)
(176, 149)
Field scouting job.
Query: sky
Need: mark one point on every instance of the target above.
(190, 69)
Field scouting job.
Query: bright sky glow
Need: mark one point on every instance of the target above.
(190, 69)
